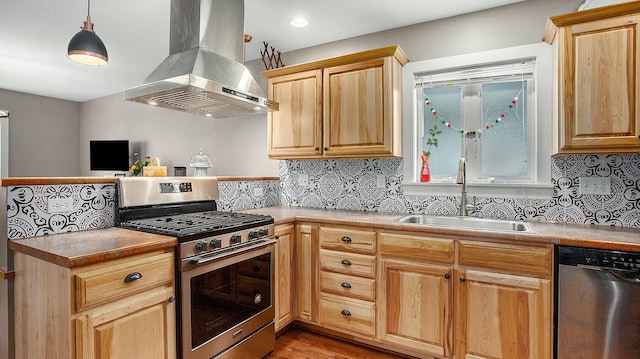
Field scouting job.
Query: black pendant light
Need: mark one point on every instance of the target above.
(86, 47)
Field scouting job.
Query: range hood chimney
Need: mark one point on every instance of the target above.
(204, 73)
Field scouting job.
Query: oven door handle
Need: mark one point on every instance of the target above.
(235, 249)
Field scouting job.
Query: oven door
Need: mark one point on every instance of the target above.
(225, 302)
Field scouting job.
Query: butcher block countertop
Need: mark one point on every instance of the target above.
(582, 235)
(76, 249)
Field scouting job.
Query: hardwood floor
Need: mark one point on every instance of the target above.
(297, 343)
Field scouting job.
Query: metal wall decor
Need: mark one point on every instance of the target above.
(271, 57)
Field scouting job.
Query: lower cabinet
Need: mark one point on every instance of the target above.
(306, 267)
(504, 301)
(284, 276)
(123, 308)
(416, 293)
(502, 316)
(140, 327)
(348, 280)
(417, 301)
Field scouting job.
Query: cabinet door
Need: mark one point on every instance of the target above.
(284, 275)
(306, 277)
(295, 130)
(599, 87)
(139, 327)
(502, 316)
(416, 306)
(358, 109)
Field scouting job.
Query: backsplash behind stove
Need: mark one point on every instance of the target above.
(351, 184)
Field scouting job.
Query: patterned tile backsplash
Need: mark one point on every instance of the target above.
(353, 185)
(93, 207)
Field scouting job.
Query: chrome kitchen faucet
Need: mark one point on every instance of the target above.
(461, 178)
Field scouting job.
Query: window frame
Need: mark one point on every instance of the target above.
(542, 109)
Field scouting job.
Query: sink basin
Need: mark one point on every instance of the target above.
(468, 223)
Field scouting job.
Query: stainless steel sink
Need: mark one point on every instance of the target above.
(467, 222)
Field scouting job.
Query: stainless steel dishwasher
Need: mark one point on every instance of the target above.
(598, 304)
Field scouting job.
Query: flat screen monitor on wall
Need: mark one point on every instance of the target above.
(109, 155)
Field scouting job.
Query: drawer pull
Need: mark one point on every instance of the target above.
(172, 299)
(346, 239)
(446, 276)
(132, 277)
(346, 313)
(345, 285)
(346, 262)
(462, 279)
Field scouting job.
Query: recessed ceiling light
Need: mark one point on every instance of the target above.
(208, 115)
(299, 22)
(152, 103)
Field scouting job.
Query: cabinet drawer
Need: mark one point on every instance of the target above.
(348, 263)
(346, 314)
(348, 239)
(107, 284)
(351, 286)
(417, 247)
(512, 258)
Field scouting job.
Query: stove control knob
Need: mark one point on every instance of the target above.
(201, 246)
(263, 232)
(235, 239)
(215, 243)
(253, 234)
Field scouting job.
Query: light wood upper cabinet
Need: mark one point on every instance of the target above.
(598, 79)
(343, 107)
(296, 129)
(284, 277)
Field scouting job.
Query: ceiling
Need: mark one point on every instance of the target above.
(34, 35)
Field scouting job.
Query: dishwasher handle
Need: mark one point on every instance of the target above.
(629, 276)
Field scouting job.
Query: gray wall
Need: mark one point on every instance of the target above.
(44, 135)
(51, 137)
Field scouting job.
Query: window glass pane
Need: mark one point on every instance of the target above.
(447, 103)
(505, 145)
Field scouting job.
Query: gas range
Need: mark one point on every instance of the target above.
(224, 264)
(186, 208)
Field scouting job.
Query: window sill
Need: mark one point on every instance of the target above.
(493, 190)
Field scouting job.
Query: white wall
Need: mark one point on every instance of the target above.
(43, 135)
(237, 146)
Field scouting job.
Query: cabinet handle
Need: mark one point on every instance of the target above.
(172, 299)
(346, 313)
(345, 285)
(132, 277)
(346, 239)
(317, 149)
(446, 276)
(326, 149)
(462, 279)
(346, 262)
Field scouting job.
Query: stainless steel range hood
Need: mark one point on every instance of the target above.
(204, 73)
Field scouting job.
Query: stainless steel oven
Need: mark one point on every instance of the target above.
(224, 264)
(230, 309)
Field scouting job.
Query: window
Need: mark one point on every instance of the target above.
(491, 108)
(478, 113)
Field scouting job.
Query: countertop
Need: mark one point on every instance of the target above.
(76, 249)
(87, 247)
(583, 235)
